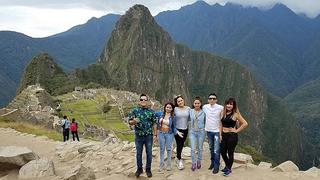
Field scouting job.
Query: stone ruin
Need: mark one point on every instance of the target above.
(95, 131)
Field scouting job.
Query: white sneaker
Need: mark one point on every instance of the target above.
(177, 162)
(181, 164)
(161, 167)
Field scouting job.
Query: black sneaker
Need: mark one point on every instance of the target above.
(211, 167)
(148, 172)
(215, 171)
(224, 169)
(138, 172)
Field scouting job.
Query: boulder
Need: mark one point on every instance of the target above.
(313, 172)
(242, 158)
(80, 173)
(186, 151)
(37, 168)
(264, 165)
(287, 166)
(85, 148)
(107, 141)
(12, 157)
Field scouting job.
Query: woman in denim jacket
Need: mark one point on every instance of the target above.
(196, 132)
(166, 129)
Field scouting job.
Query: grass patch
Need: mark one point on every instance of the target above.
(30, 129)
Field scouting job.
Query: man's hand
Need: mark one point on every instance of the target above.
(133, 121)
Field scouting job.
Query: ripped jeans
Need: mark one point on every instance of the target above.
(214, 145)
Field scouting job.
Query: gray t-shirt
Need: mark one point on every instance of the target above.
(181, 116)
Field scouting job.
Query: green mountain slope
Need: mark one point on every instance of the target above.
(44, 71)
(304, 103)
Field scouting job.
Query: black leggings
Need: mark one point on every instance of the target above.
(75, 134)
(180, 141)
(228, 145)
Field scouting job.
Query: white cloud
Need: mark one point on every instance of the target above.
(39, 18)
(43, 22)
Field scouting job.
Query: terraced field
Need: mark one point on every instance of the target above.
(90, 111)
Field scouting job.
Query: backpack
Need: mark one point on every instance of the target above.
(74, 127)
(63, 125)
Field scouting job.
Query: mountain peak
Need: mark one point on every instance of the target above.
(41, 69)
(200, 3)
(281, 8)
(139, 11)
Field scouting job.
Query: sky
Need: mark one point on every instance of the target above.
(41, 18)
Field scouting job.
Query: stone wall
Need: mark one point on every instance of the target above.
(95, 132)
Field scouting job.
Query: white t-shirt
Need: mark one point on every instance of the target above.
(212, 117)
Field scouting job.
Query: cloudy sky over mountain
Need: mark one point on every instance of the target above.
(39, 18)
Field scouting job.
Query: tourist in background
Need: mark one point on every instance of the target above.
(74, 129)
(65, 124)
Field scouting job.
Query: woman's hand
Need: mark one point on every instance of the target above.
(180, 134)
(155, 139)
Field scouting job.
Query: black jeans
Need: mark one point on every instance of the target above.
(65, 134)
(228, 145)
(75, 134)
(180, 141)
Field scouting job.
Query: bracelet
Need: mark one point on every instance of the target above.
(155, 135)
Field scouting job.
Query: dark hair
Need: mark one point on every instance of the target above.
(64, 117)
(165, 105)
(176, 100)
(213, 94)
(229, 101)
(199, 99)
(141, 95)
(73, 120)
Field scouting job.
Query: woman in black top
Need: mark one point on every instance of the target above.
(229, 133)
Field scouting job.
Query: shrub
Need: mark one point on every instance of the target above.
(106, 107)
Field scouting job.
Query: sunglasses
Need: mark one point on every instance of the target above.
(143, 100)
(212, 98)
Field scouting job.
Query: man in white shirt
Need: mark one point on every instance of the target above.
(212, 128)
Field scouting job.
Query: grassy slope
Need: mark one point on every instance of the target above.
(30, 129)
(89, 111)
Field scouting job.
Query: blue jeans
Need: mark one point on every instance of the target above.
(214, 145)
(165, 142)
(196, 141)
(147, 141)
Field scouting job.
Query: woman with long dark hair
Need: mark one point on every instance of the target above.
(181, 113)
(166, 129)
(229, 132)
